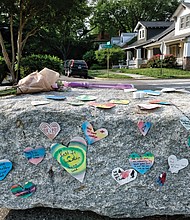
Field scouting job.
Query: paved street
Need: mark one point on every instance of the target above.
(140, 83)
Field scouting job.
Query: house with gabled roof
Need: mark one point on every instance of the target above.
(146, 30)
(177, 42)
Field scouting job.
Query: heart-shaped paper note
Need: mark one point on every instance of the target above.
(161, 179)
(159, 102)
(86, 97)
(73, 157)
(35, 103)
(55, 97)
(141, 163)
(119, 101)
(175, 164)
(5, 168)
(148, 106)
(34, 156)
(144, 127)
(27, 190)
(185, 122)
(91, 135)
(50, 130)
(123, 177)
(106, 105)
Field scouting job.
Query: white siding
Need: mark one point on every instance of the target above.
(179, 31)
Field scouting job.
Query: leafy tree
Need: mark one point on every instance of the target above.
(28, 17)
(115, 16)
(114, 54)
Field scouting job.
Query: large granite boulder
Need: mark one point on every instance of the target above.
(99, 192)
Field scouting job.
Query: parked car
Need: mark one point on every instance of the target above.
(76, 68)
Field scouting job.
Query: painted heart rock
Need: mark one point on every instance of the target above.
(50, 130)
(5, 168)
(34, 156)
(73, 157)
(27, 190)
(91, 135)
(141, 163)
(175, 164)
(144, 127)
(123, 176)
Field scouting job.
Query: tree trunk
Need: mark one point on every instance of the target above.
(7, 60)
(12, 42)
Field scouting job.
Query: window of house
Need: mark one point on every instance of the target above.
(188, 21)
(141, 34)
(182, 23)
(185, 21)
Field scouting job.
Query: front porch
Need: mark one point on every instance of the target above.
(137, 58)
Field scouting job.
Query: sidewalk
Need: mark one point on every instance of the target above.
(136, 76)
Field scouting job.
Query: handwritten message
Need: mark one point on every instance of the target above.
(73, 157)
(50, 130)
(185, 122)
(91, 135)
(34, 156)
(5, 168)
(175, 164)
(141, 163)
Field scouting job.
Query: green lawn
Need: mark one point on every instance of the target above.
(153, 72)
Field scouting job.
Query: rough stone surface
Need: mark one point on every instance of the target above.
(99, 192)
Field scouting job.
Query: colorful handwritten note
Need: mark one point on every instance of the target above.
(123, 176)
(55, 97)
(159, 102)
(91, 135)
(50, 130)
(144, 127)
(34, 156)
(73, 157)
(141, 163)
(188, 141)
(148, 106)
(175, 164)
(27, 190)
(86, 97)
(161, 179)
(106, 105)
(185, 122)
(119, 101)
(75, 103)
(5, 168)
(36, 103)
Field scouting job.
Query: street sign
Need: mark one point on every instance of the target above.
(105, 46)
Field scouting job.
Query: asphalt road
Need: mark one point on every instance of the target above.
(141, 83)
(59, 214)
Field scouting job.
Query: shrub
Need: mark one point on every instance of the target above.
(35, 62)
(154, 61)
(97, 67)
(169, 61)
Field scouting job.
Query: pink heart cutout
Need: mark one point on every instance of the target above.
(50, 130)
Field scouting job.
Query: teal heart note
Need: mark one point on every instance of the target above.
(5, 168)
(143, 163)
